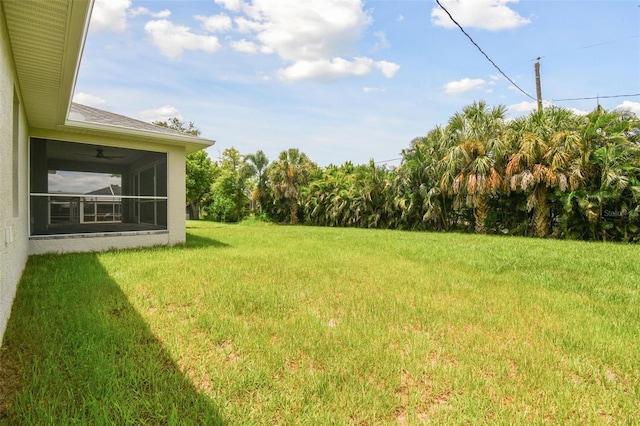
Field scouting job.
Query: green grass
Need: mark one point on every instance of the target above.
(267, 324)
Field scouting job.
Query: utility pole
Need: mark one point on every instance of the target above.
(538, 88)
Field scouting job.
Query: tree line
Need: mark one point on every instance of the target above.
(552, 173)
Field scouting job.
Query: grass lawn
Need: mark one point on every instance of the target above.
(258, 324)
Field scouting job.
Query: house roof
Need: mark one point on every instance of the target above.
(46, 39)
(87, 114)
(107, 190)
(86, 119)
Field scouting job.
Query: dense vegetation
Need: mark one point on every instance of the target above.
(549, 174)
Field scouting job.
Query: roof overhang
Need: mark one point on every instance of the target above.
(87, 120)
(47, 38)
(191, 144)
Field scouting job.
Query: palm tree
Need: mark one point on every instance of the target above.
(372, 202)
(472, 166)
(548, 157)
(613, 158)
(287, 175)
(339, 199)
(418, 198)
(325, 197)
(260, 163)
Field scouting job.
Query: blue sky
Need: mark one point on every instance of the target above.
(350, 80)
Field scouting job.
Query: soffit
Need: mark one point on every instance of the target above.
(46, 38)
(92, 154)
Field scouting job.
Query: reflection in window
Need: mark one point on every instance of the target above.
(101, 199)
(81, 188)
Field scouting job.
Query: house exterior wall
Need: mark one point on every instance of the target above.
(14, 234)
(176, 193)
(97, 242)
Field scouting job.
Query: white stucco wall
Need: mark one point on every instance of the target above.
(97, 242)
(14, 233)
(177, 194)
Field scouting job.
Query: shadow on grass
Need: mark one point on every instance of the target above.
(76, 351)
(196, 241)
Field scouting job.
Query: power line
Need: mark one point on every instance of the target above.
(482, 51)
(597, 97)
(387, 161)
(564, 52)
(607, 42)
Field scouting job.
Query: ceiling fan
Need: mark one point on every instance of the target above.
(100, 155)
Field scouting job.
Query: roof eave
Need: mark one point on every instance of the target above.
(77, 30)
(191, 143)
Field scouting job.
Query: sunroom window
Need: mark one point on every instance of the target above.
(83, 188)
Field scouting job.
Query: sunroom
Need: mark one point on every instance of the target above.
(85, 189)
(104, 181)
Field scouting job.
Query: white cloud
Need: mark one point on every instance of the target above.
(244, 46)
(138, 11)
(526, 107)
(80, 182)
(464, 85)
(400, 18)
(234, 5)
(110, 15)
(382, 42)
(163, 113)
(493, 15)
(316, 37)
(576, 111)
(172, 40)
(216, 23)
(88, 99)
(311, 29)
(630, 106)
(372, 89)
(163, 14)
(324, 69)
(245, 25)
(388, 69)
(522, 108)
